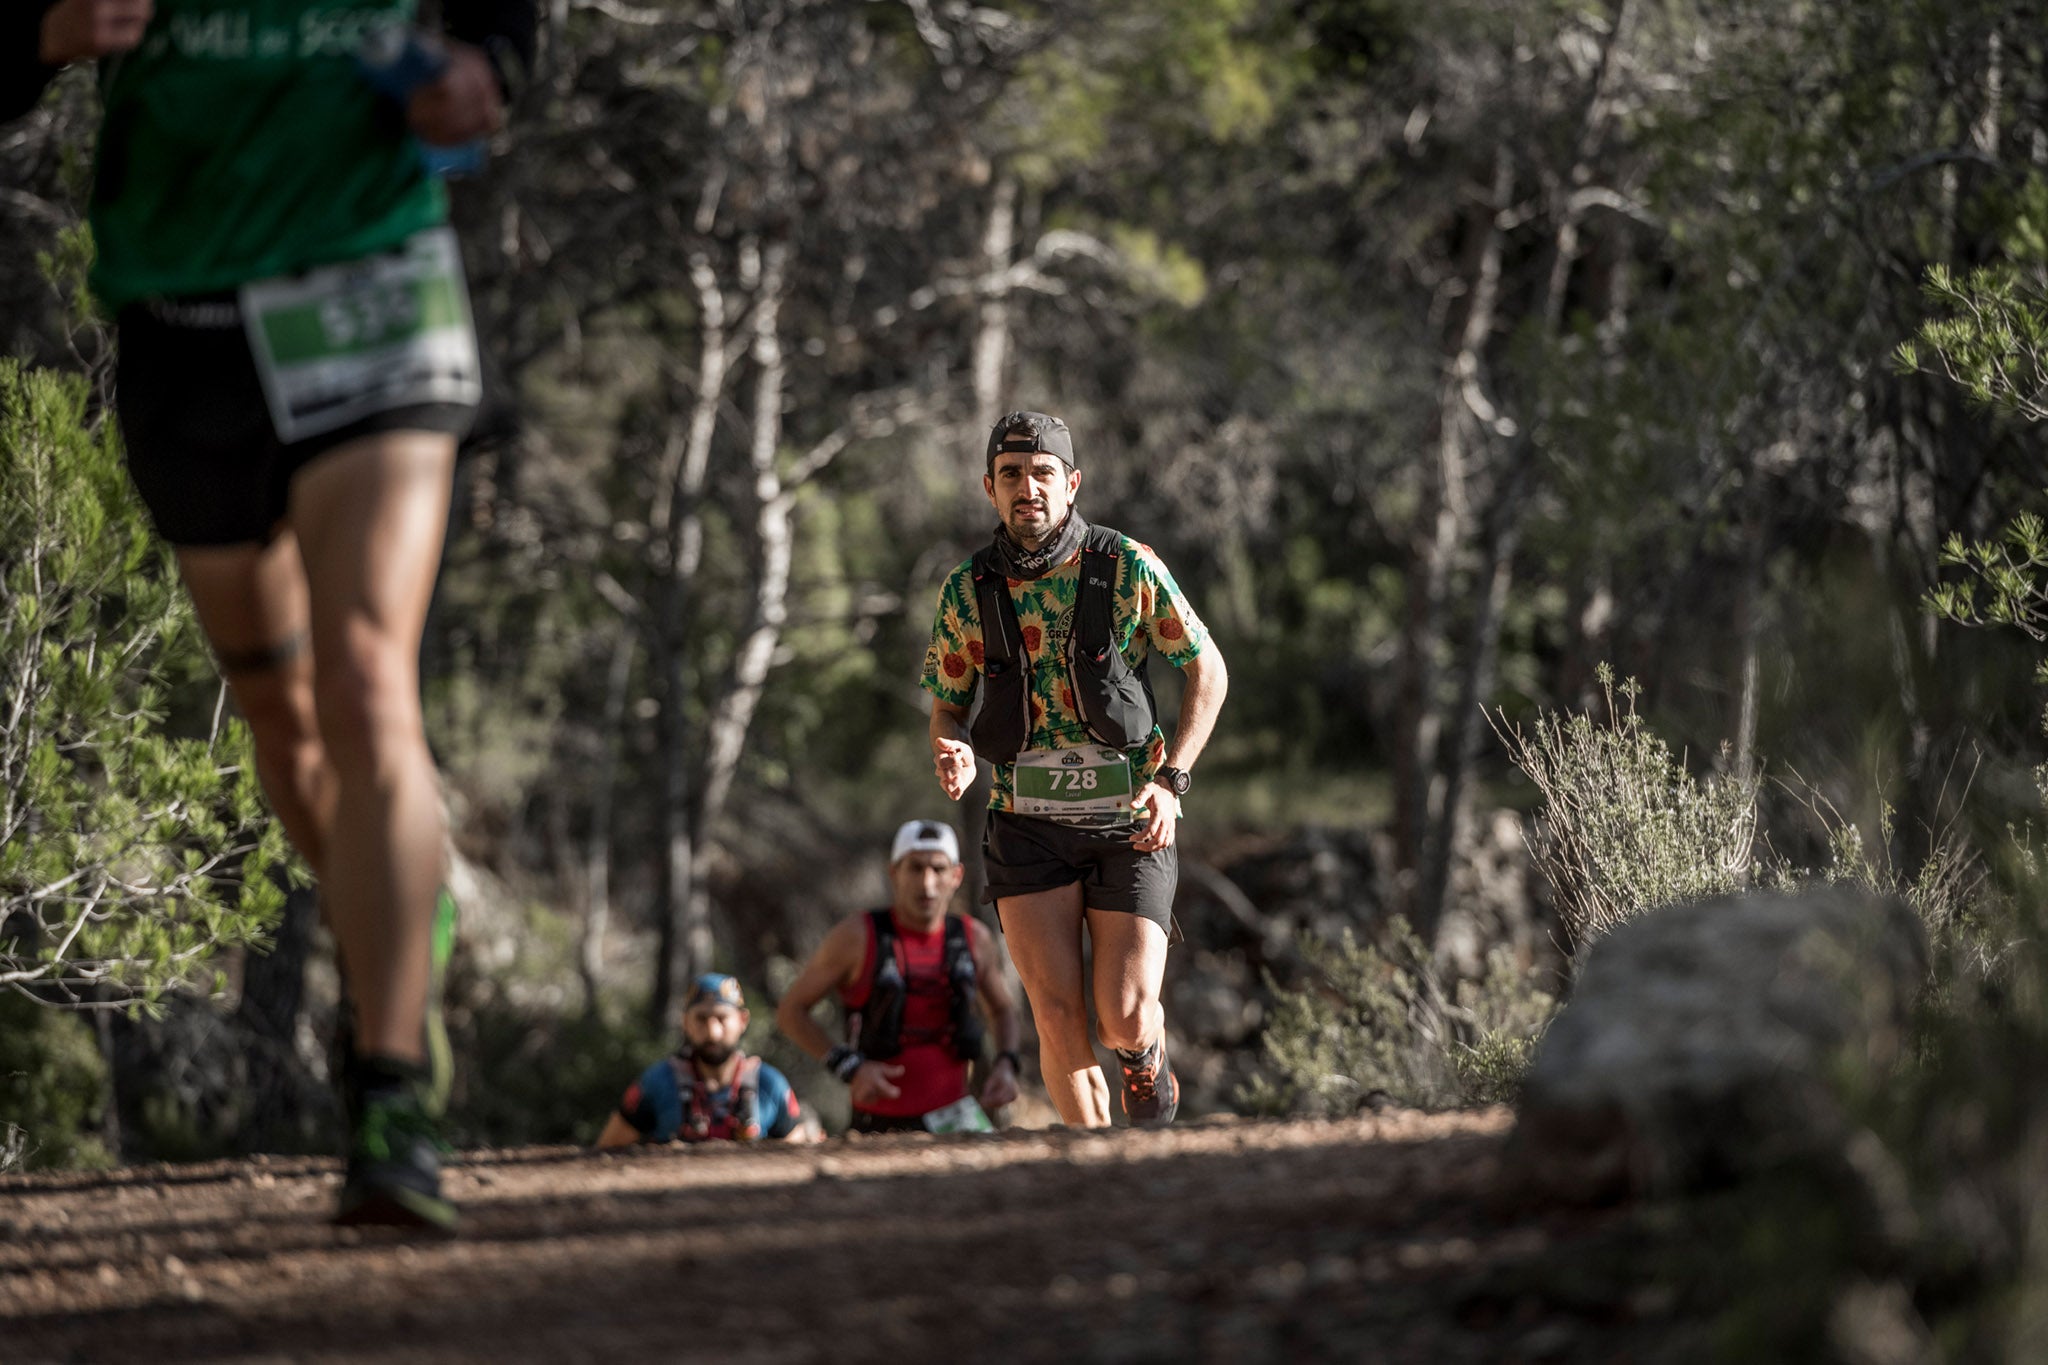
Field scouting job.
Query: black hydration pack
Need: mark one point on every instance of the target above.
(878, 1025)
(1115, 700)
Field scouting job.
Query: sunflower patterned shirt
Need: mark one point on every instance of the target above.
(1150, 614)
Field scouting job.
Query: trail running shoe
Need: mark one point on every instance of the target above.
(1151, 1093)
(434, 1046)
(394, 1153)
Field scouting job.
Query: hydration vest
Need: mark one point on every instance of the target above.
(877, 1026)
(742, 1116)
(1115, 700)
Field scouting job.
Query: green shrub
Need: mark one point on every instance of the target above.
(1377, 1022)
(53, 1085)
(1625, 826)
(127, 856)
(527, 1076)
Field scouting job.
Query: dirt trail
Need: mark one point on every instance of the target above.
(1370, 1239)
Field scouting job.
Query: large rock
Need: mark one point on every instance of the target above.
(1706, 1041)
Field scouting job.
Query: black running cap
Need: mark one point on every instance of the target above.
(1027, 433)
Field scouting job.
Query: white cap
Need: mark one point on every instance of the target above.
(920, 835)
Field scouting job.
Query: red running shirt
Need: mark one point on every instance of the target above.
(932, 1076)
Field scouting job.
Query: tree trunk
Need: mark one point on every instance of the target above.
(1481, 656)
(679, 525)
(992, 336)
(1514, 487)
(597, 848)
(1439, 530)
(731, 714)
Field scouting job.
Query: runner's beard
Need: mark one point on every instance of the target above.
(712, 1055)
(1028, 562)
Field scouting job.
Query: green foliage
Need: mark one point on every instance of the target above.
(1378, 1022)
(1626, 828)
(127, 856)
(531, 1075)
(1204, 68)
(53, 1084)
(1992, 339)
(2008, 582)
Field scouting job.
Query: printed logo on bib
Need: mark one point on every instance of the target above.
(345, 341)
(1091, 781)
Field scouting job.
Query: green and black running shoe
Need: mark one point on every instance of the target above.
(394, 1152)
(434, 1046)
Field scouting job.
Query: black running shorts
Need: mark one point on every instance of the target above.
(1024, 853)
(201, 448)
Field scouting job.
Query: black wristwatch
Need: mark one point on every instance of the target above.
(1006, 1055)
(1176, 780)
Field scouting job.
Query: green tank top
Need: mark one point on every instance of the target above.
(240, 142)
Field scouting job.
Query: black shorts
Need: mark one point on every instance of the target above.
(1023, 854)
(201, 447)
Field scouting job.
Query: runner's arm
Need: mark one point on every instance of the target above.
(1001, 1008)
(39, 38)
(952, 750)
(503, 29)
(996, 1001)
(1208, 680)
(617, 1132)
(836, 963)
(488, 59)
(832, 965)
(1201, 701)
(786, 1113)
(638, 1116)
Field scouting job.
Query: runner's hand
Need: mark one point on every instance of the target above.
(954, 761)
(463, 105)
(1158, 813)
(78, 30)
(1001, 1086)
(874, 1082)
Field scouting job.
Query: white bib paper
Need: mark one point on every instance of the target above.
(1091, 781)
(343, 341)
(961, 1116)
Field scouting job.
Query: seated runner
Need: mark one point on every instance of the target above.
(910, 978)
(708, 1089)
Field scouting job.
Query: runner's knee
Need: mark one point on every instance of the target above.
(1062, 1021)
(367, 696)
(1128, 1032)
(1126, 1019)
(273, 698)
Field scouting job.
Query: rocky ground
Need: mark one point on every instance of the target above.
(1385, 1237)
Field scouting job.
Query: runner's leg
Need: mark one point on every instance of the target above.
(1130, 970)
(251, 602)
(1043, 931)
(370, 517)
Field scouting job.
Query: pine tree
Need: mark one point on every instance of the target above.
(129, 854)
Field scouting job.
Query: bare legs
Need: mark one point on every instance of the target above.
(318, 634)
(1043, 931)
